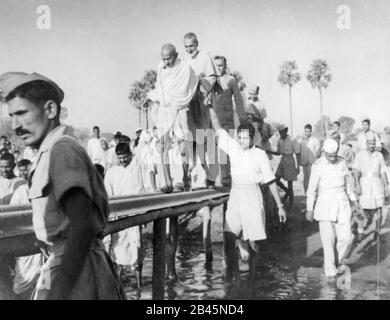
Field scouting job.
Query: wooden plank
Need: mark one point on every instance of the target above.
(20, 239)
(18, 219)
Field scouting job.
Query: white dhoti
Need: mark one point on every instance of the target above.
(334, 234)
(27, 271)
(125, 246)
(245, 212)
(170, 120)
(373, 192)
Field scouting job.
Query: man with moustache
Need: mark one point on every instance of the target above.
(68, 198)
(328, 202)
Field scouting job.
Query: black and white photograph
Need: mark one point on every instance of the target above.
(216, 151)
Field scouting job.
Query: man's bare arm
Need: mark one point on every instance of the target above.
(275, 195)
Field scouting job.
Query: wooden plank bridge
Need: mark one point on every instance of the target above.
(17, 236)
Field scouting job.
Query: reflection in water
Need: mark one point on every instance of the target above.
(283, 273)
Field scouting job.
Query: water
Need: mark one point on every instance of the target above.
(285, 271)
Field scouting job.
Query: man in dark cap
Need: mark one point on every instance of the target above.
(69, 202)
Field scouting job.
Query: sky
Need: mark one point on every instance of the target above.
(95, 49)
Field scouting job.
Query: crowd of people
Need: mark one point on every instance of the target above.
(68, 185)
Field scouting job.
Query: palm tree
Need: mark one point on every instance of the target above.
(289, 76)
(139, 91)
(319, 77)
(149, 81)
(136, 97)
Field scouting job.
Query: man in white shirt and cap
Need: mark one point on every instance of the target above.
(328, 196)
(371, 181)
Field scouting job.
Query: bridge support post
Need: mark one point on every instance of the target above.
(159, 259)
(207, 237)
(172, 247)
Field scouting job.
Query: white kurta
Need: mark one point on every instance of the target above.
(120, 181)
(203, 67)
(371, 166)
(245, 210)
(362, 140)
(330, 185)
(96, 152)
(310, 150)
(8, 187)
(330, 189)
(112, 159)
(28, 268)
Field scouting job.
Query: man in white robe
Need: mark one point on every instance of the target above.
(123, 180)
(175, 86)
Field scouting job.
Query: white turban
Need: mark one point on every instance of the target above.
(330, 146)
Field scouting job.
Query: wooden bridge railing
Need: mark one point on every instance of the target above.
(17, 237)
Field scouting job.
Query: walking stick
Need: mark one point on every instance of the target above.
(378, 228)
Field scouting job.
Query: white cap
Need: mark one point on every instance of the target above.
(330, 146)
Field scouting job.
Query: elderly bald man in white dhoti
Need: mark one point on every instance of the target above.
(175, 86)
